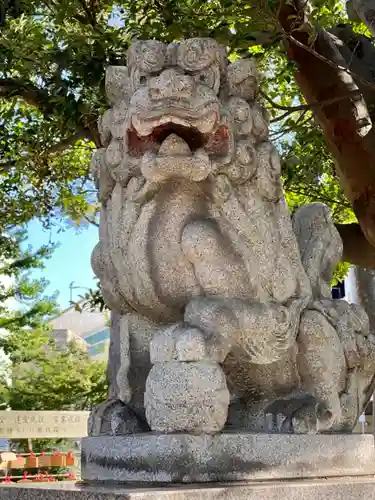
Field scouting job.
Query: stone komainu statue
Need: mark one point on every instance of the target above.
(222, 313)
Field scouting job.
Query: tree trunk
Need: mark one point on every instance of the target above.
(357, 250)
(346, 124)
(358, 52)
(365, 279)
(363, 10)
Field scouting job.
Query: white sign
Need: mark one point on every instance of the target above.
(43, 424)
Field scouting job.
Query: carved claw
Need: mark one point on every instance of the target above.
(216, 321)
(302, 414)
(179, 342)
(115, 418)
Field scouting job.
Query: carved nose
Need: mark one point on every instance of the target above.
(171, 85)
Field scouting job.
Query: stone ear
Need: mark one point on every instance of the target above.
(117, 84)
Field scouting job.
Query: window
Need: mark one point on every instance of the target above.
(94, 338)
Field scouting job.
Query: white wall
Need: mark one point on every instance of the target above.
(351, 287)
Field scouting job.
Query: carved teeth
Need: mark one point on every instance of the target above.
(145, 127)
(173, 119)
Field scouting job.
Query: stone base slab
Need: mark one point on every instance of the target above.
(331, 489)
(182, 458)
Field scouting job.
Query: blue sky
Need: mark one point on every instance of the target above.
(70, 261)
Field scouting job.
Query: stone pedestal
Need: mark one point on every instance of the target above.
(345, 488)
(182, 458)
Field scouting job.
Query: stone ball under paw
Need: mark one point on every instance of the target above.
(187, 397)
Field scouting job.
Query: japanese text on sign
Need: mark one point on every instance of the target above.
(43, 424)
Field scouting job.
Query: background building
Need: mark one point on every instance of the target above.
(90, 329)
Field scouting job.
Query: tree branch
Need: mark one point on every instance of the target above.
(321, 73)
(30, 93)
(69, 141)
(364, 11)
(312, 106)
(328, 61)
(357, 250)
(42, 100)
(317, 196)
(91, 221)
(90, 18)
(300, 122)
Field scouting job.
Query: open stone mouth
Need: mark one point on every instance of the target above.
(214, 143)
(191, 135)
(138, 145)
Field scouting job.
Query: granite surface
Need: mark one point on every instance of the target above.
(184, 458)
(175, 393)
(343, 488)
(200, 261)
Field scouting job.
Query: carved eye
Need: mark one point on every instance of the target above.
(138, 78)
(210, 77)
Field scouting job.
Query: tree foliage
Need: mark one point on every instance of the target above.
(22, 303)
(41, 375)
(53, 56)
(53, 60)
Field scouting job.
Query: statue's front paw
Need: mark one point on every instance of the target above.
(115, 418)
(178, 343)
(301, 414)
(215, 318)
(303, 421)
(312, 419)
